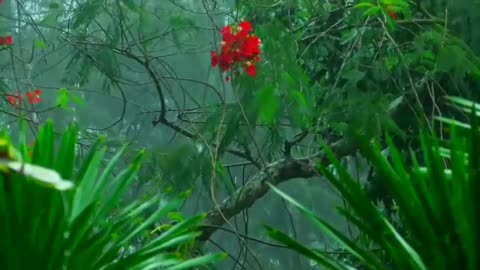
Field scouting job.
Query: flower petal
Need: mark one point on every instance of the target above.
(251, 70)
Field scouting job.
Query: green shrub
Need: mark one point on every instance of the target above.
(47, 222)
(438, 204)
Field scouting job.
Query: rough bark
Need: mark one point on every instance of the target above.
(274, 173)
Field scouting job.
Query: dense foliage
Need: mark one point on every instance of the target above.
(437, 208)
(231, 99)
(80, 224)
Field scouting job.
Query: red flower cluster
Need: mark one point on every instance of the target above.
(33, 97)
(239, 46)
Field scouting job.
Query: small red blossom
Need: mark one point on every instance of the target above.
(250, 69)
(244, 28)
(14, 100)
(226, 61)
(251, 47)
(214, 57)
(34, 97)
(393, 15)
(228, 36)
(391, 11)
(7, 40)
(239, 46)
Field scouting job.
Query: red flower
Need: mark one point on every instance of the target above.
(391, 11)
(8, 40)
(239, 46)
(228, 36)
(226, 61)
(244, 28)
(14, 100)
(214, 57)
(34, 97)
(250, 69)
(393, 15)
(250, 47)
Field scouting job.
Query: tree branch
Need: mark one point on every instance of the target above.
(279, 172)
(275, 173)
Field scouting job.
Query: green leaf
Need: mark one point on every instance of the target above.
(340, 127)
(175, 216)
(391, 62)
(289, 79)
(65, 161)
(299, 109)
(399, 3)
(39, 175)
(363, 5)
(63, 98)
(203, 260)
(353, 75)
(332, 232)
(268, 103)
(450, 57)
(40, 44)
(429, 55)
(305, 251)
(86, 12)
(391, 23)
(372, 11)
